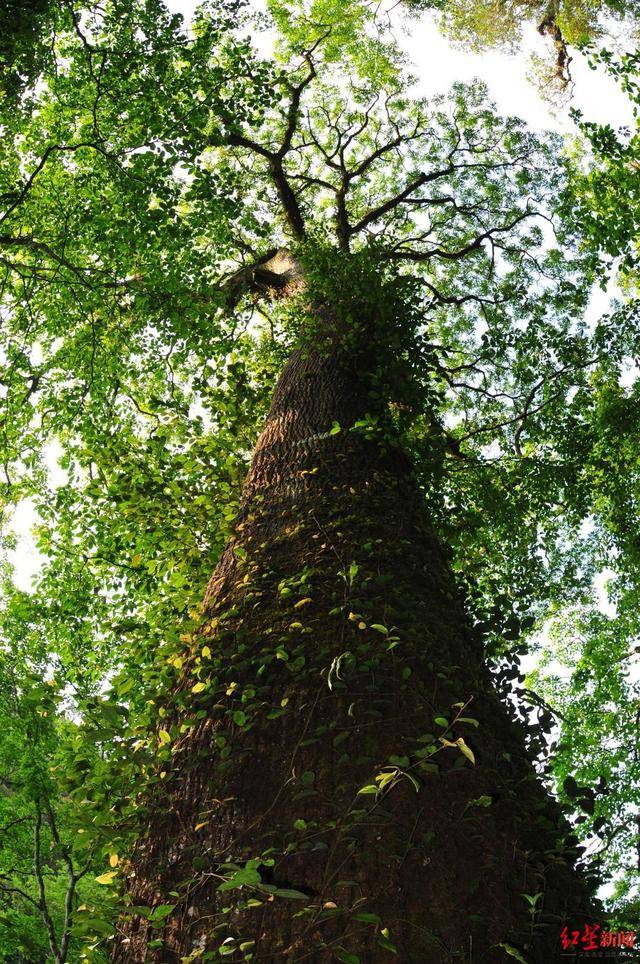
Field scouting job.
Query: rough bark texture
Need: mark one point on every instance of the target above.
(329, 702)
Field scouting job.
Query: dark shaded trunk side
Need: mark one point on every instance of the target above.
(333, 539)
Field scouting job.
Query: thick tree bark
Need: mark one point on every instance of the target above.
(333, 539)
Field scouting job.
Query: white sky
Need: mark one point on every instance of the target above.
(438, 65)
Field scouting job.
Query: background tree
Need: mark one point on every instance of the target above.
(567, 25)
(592, 657)
(43, 873)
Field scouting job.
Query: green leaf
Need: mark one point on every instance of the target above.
(383, 941)
(384, 779)
(244, 877)
(400, 761)
(533, 899)
(513, 952)
(162, 911)
(93, 925)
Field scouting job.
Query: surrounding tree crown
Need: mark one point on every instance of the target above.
(566, 24)
(160, 188)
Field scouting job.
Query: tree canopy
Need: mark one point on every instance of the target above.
(153, 184)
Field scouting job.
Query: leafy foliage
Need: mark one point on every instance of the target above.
(144, 198)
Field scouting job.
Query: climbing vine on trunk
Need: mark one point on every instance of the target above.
(340, 772)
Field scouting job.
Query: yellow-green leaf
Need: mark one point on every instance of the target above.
(106, 878)
(468, 752)
(513, 952)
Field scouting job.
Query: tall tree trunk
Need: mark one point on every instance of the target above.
(339, 648)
